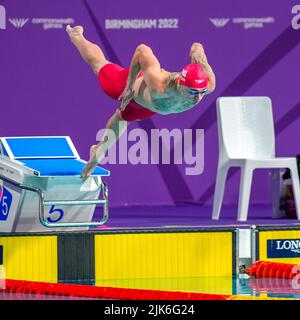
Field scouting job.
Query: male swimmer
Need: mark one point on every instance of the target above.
(144, 88)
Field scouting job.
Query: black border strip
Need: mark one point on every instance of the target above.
(119, 231)
(277, 228)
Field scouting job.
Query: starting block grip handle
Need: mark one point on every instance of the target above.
(73, 202)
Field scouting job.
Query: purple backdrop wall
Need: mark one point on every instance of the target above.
(46, 89)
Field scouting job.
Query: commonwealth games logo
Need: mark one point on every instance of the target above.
(219, 23)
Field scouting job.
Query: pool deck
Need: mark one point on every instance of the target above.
(189, 216)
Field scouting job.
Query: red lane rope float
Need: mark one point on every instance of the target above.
(272, 285)
(266, 269)
(86, 291)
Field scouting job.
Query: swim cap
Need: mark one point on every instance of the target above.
(193, 76)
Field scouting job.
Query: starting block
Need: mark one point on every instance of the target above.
(41, 189)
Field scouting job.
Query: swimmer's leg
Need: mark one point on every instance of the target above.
(118, 126)
(90, 52)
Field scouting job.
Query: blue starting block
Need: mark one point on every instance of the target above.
(41, 188)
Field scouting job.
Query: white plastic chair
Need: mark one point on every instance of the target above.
(247, 140)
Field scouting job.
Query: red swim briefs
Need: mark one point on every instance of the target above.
(112, 80)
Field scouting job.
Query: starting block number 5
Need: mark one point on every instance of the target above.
(5, 203)
(54, 210)
(5, 207)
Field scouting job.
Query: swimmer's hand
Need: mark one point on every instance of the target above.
(126, 97)
(91, 164)
(88, 169)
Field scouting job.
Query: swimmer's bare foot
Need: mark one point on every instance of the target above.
(75, 33)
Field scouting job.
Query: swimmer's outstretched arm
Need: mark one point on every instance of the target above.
(198, 56)
(114, 129)
(143, 60)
